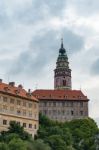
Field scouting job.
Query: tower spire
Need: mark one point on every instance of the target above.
(62, 49)
(62, 43)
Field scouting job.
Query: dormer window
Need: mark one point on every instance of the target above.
(6, 89)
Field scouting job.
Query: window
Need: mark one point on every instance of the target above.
(81, 113)
(12, 108)
(54, 104)
(4, 107)
(30, 105)
(67, 104)
(5, 99)
(24, 104)
(0, 108)
(18, 112)
(30, 125)
(30, 113)
(81, 104)
(45, 104)
(49, 103)
(18, 102)
(71, 104)
(24, 112)
(45, 112)
(50, 95)
(49, 112)
(63, 112)
(4, 122)
(35, 106)
(54, 112)
(35, 115)
(12, 101)
(58, 112)
(64, 82)
(72, 112)
(18, 123)
(24, 125)
(67, 112)
(63, 104)
(35, 126)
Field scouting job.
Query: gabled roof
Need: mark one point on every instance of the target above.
(16, 91)
(60, 95)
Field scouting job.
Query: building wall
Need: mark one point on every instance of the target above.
(20, 110)
(64, 110)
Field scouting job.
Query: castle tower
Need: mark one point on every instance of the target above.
(62, 73)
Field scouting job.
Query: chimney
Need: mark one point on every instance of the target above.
(12, 84)
(29, 90)
(20, 86)
(29, 93)
(0, 80)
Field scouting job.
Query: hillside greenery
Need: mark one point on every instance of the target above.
(81, 134)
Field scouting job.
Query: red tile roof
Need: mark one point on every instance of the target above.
(16, 91)
(59, 95)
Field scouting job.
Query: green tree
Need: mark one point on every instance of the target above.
(17, 144)
(17, 129)
(3, 146)
(56, 142)
(40, 145)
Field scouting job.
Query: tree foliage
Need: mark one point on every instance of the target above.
(81, 134)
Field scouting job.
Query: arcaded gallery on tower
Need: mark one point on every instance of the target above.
(62, 103)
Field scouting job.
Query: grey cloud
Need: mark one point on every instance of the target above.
(95, 67)
(73, 42)
(43, 49)
(34, 61)
(40, 10)
(6, 19)
(85, 7)
(55, 7)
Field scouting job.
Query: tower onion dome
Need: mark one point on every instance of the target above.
(62, 50)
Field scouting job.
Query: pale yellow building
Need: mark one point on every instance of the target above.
(16, 104)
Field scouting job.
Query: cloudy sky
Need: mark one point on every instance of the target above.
(30, 33)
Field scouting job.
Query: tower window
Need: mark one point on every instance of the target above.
(64, 82)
